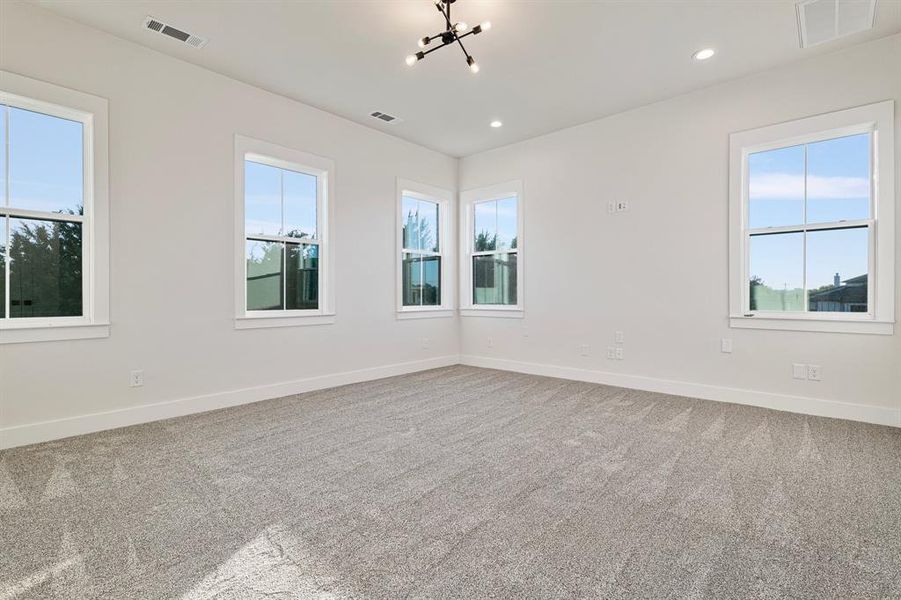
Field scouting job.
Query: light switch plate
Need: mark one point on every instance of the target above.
(799, 371)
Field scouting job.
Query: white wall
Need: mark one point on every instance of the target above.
(659, 272)
(172, 129)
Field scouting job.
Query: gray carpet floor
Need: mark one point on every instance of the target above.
(459, 483)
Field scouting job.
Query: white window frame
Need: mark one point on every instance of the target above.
(323, 169)
(443, 199)
(92, 113)
(877, 119)
(468, 200)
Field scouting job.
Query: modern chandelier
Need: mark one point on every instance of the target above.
(453, 33)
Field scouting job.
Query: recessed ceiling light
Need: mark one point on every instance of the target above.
(496, 124)
(704, 54)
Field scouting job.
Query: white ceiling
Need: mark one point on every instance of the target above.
(546, 65)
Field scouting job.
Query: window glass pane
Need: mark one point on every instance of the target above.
(300, 204)
(838, 179)
(485, 226)
(421, 280)
(262, 199)
(777, 272)
(264, 275)
(506, 223)
(45, 268)
(431, 280)
(45, 162)
(494, 279)
(837, 265)
(410, 212)
(2, 267)
(3, 111)
(428, 226)
(302, 277)
(776, 187)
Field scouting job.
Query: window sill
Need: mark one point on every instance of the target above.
(265, 322)
(498, 312)
(835, 325)
(53, 333)
(425, 313)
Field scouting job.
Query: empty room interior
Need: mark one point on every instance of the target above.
(450, 299)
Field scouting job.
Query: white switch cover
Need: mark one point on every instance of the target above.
(619, 354)
(136, 378)
(799, 371)
(620, 337)
(611, 352)
(726, 345)
(583, 349)
(813, 373)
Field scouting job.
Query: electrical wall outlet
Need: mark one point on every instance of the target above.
(620, 337)
(814, 373)
(426, 343)
(611, 352)
(799, 371)
(619, 354)
(136, 378)
(726, 345)
(583, 349)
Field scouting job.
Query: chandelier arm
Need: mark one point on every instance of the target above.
(462, 47)
(430, 50)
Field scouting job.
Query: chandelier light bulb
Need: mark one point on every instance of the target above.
(461, 27)
(473, 65)
(704, 54)
(423, 42)
(485, 26)
(411, 60)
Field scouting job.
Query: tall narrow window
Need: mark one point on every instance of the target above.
(811, 203)
(424, 272)
(283, 233)
(421, 252)
(494, 243)
(47, 188)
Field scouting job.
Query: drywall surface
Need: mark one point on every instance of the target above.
(171, 142)
(658, 272)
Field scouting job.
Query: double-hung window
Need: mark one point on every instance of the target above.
(283, 199)
(813, 223)
(424, 274)
(492, 239)
(53, 213)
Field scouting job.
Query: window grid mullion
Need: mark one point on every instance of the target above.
(806, 305)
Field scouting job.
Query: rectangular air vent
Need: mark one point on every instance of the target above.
(195, 41)
(385, 117)
(822, 21)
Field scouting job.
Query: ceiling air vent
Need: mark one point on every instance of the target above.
(385, 117)
(822, 21)
(195, 41)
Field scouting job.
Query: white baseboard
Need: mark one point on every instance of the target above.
(33, 433)
(879, 415)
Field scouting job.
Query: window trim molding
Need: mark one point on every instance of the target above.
(324, 169)
(93, 112)
(877, 118)
(468, 199)
(444, 199)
